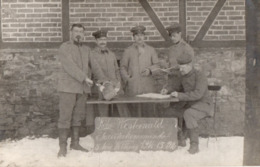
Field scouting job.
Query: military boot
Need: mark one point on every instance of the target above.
(63, 136)
(194, 140)
(74, 145)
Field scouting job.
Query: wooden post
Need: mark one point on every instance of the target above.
(156, 21)
(65, 21)
(182, 18)
(252, 115)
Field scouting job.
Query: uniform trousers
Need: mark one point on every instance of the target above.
(192, 116)
(72, 109)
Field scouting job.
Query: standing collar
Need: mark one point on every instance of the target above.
(102, 50)
(176, 44)
(190, 73)
(77, 43)
(137, 45)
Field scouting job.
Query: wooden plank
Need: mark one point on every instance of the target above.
(156, 21)
(1, 40)
(65, 20)
(210, 19)
(120, 45)
(182, 17)
(29, 45)
(219, 44)
(252, 113)
(33, 45)
(155, 44)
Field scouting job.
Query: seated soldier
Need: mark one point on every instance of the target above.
(199, 103)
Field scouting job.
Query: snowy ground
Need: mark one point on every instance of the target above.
(42, 152)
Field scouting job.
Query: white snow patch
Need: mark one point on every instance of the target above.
(42, 152)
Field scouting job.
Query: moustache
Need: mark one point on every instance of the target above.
(102, 43)
(78, 37)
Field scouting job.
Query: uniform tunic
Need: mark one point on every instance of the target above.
(196, 94)
(174, 78)
(75, 67)
(107, 61)
(176, 50)
(133, 63)
(135, 60)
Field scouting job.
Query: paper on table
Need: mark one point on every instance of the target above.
(154, 96)
(165, 70)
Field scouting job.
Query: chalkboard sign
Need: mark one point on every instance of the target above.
(135, 134)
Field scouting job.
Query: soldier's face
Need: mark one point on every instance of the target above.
(102, 42)
(176, 37)
(139, 38)
(185, 68)
(77, 34)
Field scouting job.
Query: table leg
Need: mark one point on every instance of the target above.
(112, 109)
(154, 112)
(139, 111)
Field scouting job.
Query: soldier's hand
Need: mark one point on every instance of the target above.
(146, 72)
(88, 81)
(129, 77)
(174, 94)
(164, 91)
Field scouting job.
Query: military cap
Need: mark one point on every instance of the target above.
(186, 58)
(100, 33)
(175, 27)
(138, 30)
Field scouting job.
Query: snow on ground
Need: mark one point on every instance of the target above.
(42, 152)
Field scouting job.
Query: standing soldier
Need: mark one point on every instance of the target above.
(199, 103)
(107, 61)
(73, 86)
(136, 68)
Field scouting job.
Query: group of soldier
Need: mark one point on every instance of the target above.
(84, 68)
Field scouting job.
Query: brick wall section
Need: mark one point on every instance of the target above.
(40, 20)
(120, 15)
(31, 20)
(229, 24)
(197, 12)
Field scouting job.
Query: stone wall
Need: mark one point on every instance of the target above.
(28, 94)
(226, 67)
(29, 100)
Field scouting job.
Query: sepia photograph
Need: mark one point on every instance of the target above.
(129, 83)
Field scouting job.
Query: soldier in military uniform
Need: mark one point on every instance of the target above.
(107, 61)
(73, 86)
(178, 49)
(199, 103)
(136, 68)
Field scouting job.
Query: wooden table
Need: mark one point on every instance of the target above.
(131, 99)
